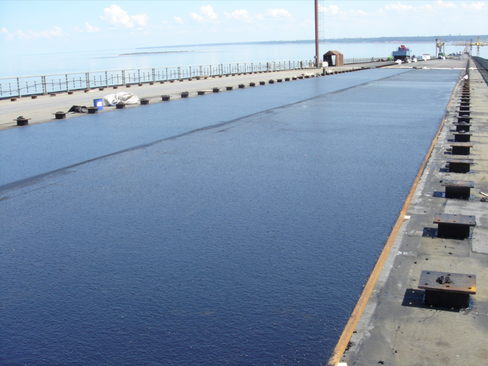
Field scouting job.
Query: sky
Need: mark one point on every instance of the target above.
(30, 27)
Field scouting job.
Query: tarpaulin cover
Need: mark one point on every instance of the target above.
(124, 97)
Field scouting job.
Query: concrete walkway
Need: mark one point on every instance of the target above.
(42, 108)
(396, 326)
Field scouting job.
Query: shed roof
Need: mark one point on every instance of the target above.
(332, 53)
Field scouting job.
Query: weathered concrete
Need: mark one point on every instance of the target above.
(396, 327)
(42, 108)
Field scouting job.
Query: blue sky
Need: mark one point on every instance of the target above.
(28, 27)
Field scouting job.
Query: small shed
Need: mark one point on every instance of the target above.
(334, 58)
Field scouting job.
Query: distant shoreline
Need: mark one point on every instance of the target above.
(418, 39)
(151, 53)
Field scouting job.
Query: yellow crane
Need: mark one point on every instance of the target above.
(468, 46)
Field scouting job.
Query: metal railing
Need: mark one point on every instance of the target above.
(55, 83)
(363, 60)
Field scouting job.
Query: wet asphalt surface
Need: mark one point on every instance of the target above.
(236, 228)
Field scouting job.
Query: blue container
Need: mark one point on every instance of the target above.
(98, 103)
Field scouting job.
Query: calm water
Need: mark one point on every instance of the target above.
(200, 54)
(247, 243)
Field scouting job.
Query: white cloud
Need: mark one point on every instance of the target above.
(479, 6)
(206, 14)
(54, 32)
(178, 20)
(140, 20)
(331, 10)
(278, 13)
(118, 16)
(435, 6)
(8, 36)
(400, 8)
(91, 28)
(359, 13)
(275, 13)
(241, 14)
(442, 5)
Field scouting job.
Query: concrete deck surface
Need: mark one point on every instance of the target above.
(42, 108)
(396, 327)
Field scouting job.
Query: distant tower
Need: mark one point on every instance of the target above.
(317, 33)
(439, 47)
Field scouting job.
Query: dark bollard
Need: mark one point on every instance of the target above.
(216, 90)
(101, 89)
(458, 188)
(60, 115)
(279, 80)
(144, 101)
(454, 226)
(35, 96)
(462, 126)
(120, 105)
(115, 87)
(271, 81)
(92, 110)
(262, 83)
(462, 136)
(229, 88)
(200, 92)
(52, 95)
(459, 165)
(184, 94)
(21, 121)
(165, 98)
(461, 148)
(13, 99)
(241, 86)
(449, 290)
(252, 84)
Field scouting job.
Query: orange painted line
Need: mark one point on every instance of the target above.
(368, 289)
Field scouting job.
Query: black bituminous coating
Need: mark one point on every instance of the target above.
(229, 244)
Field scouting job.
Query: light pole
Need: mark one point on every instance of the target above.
(316, 33)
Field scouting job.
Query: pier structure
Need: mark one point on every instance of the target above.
(88, 194)
(426, 302)
(40, 108)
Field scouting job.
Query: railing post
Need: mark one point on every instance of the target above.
(153, 75)
(106, 79)
(179, 72)
(139, 75)
(123, 77)
(67, 83)
(18, 87)
(221, 69)
(87, 80)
